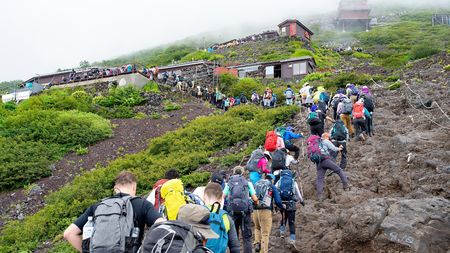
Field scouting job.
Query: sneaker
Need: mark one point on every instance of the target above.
(347, 187)
(292, 239)
(257, 247)
(282, 231)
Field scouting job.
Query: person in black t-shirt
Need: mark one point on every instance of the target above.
(125, 184)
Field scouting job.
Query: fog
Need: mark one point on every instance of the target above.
(39, 37)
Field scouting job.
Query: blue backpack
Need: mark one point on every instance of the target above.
(216, 223)
(325, 97)
(286, 185)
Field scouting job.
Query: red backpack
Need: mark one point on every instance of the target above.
(271, 141)
(358, 110)
(157, 187)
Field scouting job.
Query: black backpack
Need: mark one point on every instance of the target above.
(322, 106)
(238, 199)
(278, 160)
(173, 237)
(368, 104)
(338, 132)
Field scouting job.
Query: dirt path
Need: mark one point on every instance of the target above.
(130, 136)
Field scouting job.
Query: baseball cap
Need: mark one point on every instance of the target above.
(198, 217)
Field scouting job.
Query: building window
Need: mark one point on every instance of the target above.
(299, 69)
(283, 31)
(270, 71)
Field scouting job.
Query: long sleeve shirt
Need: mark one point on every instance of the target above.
(328, 145)
(289, 135)
(276, 197)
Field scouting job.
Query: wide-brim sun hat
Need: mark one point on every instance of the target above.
(198, 217)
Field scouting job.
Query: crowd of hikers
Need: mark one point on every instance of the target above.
(236, 206)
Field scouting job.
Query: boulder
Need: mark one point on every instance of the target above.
(421, 224)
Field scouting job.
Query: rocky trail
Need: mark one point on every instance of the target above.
(399, 201)
(130, 136)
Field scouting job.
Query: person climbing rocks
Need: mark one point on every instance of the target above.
(239, 194)
(290, 195)
(335, 102)
(288, 137)
(359, 120)
(267, 193)
(316, 120)
(263, 167)
(319, 153)
(344, 111)
(220, 221)
(99, 223)
(339, 136)
(267, 97)
(305, 92)
(290, 95)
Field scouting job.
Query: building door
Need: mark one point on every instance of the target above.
(277, 71)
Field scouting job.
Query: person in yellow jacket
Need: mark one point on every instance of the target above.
(316, 97)
(172, 192)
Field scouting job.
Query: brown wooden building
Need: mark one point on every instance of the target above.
(353, 15)
(294, 28)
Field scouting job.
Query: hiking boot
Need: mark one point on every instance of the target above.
(361, 137)
(257, 247)
(347, 187)
(292, 239)
(282, 231)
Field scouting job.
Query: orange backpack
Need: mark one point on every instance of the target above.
(271, 141)
(358, 110)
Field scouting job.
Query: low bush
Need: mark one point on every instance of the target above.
(23, 162)
(226, 81)
(123, 96)
(302, 52)
(423, 51)
(171, 106)
(246, 86)
(151, 86)
(360, 55)
(58, 99)
(184, 149)
(68, 128)
(395, 85)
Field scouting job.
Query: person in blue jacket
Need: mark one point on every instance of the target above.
(288, 136)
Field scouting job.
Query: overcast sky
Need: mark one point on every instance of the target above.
(39, 36)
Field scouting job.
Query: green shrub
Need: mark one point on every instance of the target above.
(155, 115)
(246, 86)
(392, 78)
(360, 55)
(302, 52)
(315, 76)
(116, 112)
(232, 54)
(447, 68)
(151, 86)
(123, 96)
(184, 149)
(395, 85)
(140, 115)
(226, 81)
(423, 51)
(23, 162)
(171, 106)
(341, 79)
(81, 150)
(196, 179)
(58, 99)
(68, 128)
(201, 55)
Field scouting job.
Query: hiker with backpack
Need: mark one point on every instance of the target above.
(155, 195)
(267, 97)
(344, 112)
(174, 197)
(290, 95)
(359, 120)
(220, 222)
(369, 106)
(334, 104)
(187, 234)
(316, 120)
(243, 98)
(116, 223)
(339, 136)
(239, 194)
(255, 98)
(267, 194)
(273, 102)
(288, 136)
(318, 150)
(290, 194)
(278, 162)
(305, 91)
(352, 92)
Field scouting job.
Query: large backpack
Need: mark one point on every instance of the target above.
(347, 106)
(368, 103)
(338, 131)
(157, 188)
(173, 194)
(217, 224)
(358, 110)
(243, 99)
(313, 119)
(355, 91)
(278, 160)
(173, 237)
(264, 193)
(316, 152)
(238, 199)
(289, 93)
(322, 106)
(324, 96)
(286, 185)
(335, 102)
(252, 164)
(271, 141)
(114, 220)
